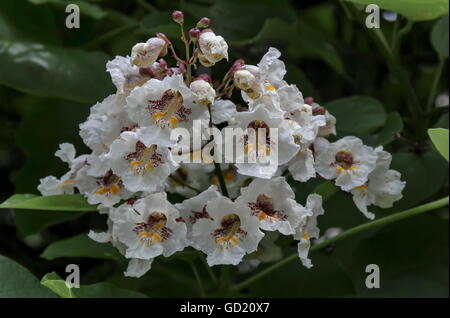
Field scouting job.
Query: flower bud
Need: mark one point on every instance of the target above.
(213, 48)
(205, 77)
(145, 54)
(194, 33)
(204, 91)
(203, 23)
(178, 16)
(309, 100)
(244, 80)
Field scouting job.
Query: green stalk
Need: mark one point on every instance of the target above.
(435, 83)
(351, 232)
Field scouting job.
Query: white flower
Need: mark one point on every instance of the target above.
(308, 228)
(383, 188)
(348, 161)
(107, 189)
(104, 124)
(138, 267)
(145, 54)
(167, 103)
(261, 118)
(222, 110)
(330, 121)
(229, 235)
(269, 88)
(213, 48)
(75, 177)
(273, 202)
(301, 166)
(142, 165)
(194, 209)
(66, 153)
(125, 75)
(204, 91)
(149, 227)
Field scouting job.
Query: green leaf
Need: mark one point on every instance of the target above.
(439, 37)
(239, 21)
(80, 246)
(439, 137)
(99, 290)
(416, 10)
(91, 10)
(412, 256)
(424, 175)
(61, 202)
(46, 70)
(392, 126)
(17, 282)
(357, 114)
(326, 189)
(15, 22)
(57, 285)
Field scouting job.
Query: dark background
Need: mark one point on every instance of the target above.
(51, 75)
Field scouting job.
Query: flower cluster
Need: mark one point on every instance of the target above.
(132, 167)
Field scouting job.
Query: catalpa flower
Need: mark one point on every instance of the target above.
(229, 233)
(76, 177)
(124, 75)
(383, 188)
(168, 103)
(260, 120)
(142, 165)
(204, 91)
(194, 209)
(264, 84)
(107, 188)
(348, 161)
(273, 202)
(105, 123)
(308, 228)
(148, 227)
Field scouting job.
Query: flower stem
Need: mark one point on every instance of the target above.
(223, 185)
(355, 230)
(435, 83)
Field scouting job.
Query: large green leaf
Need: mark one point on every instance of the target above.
(57, 285)
(15, 22)
(17, 282)
(357, 114)
(439, 137)
(392, 126)
(80, 246)
(47, 70)
(439, 36)
(416, 10)
(412, 256)
(99, 290)
(89, 9)
(424, 175)
(61, 202)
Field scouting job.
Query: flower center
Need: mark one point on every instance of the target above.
(229, 230)
(264, 208)
(154, 230)
(169, 110)
(344, 159)
(144, 159)
(249, 146)
(109, 184)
